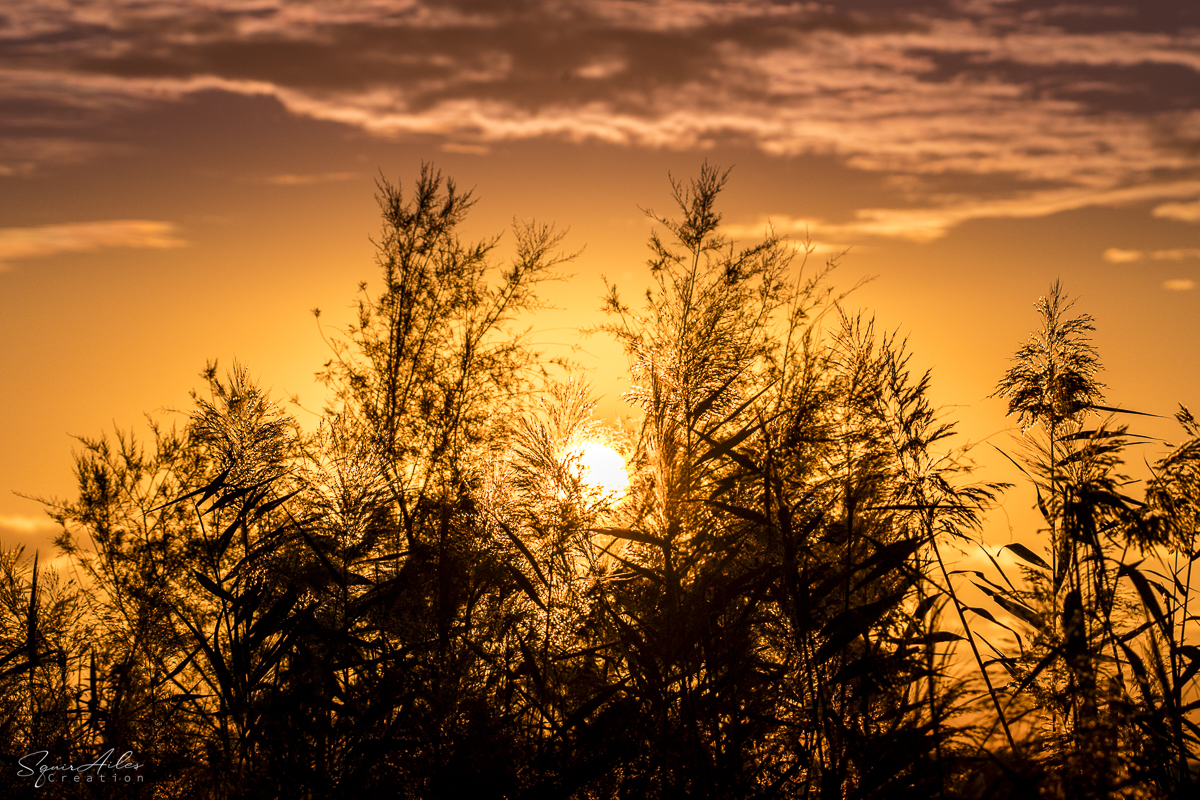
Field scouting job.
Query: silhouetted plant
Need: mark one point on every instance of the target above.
(423, 598)
(43, 634)
(771, 553)
(1109, 725)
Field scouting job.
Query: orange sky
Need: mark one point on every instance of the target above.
(182, 181)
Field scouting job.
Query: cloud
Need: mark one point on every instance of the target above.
(27, 525)
(1081, 104)
(21, 154)
(465, 149)
(926, 224)
(33, 533)
(1188, 212)
(77, 237)
(36, 535)
(1179, 284)
(1118, 256)
(289, 179)
(1175, 255)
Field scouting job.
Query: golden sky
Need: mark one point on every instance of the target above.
(182, 181)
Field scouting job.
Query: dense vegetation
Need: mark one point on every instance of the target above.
(423, 597)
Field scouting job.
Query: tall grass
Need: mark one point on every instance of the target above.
(423, 598)
(1106, 610)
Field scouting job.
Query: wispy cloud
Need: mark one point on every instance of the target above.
(1077, 103)
(464, 148)
(26, 525)
(36, 535)
(30, 532)
(930, 223)
(1117, 255)
(1179, 284)
(288, 179)
(1188, 212)
(48, 240)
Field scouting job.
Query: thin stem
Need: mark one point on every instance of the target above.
(958, 606)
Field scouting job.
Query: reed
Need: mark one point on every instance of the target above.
(423, 598)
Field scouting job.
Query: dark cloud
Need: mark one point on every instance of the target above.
(1139, 87)
(1099, 16)
(438, 59)
(1077, 95)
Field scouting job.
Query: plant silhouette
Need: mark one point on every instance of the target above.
(422, 597)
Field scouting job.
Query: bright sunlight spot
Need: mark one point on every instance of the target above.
(601, 468)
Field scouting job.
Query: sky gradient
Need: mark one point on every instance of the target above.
(183, 181)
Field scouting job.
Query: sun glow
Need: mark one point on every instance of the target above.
(601, 469)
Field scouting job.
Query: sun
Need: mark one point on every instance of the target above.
(601, 469)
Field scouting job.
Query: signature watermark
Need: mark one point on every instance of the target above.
(106, 768)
